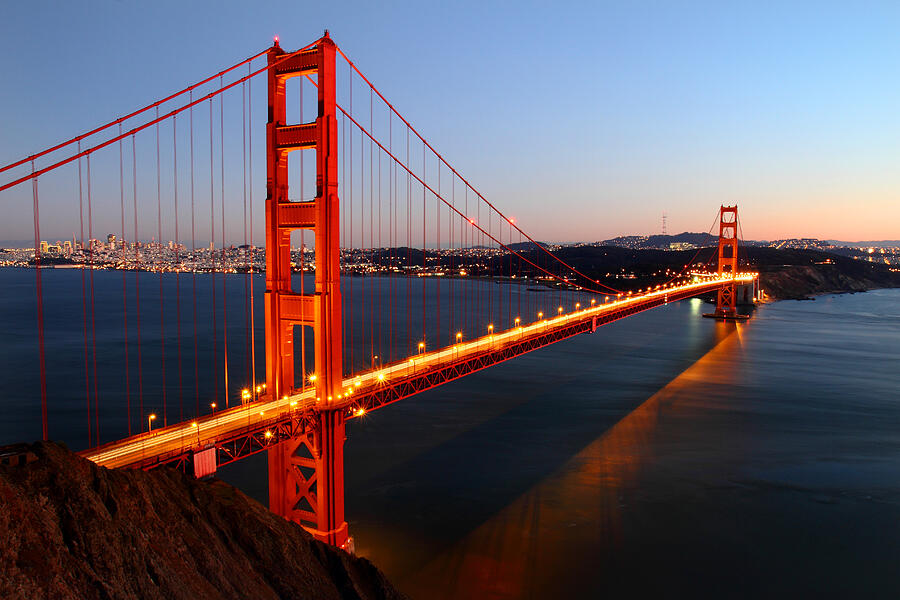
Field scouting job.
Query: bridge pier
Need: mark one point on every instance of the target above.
(306, 480)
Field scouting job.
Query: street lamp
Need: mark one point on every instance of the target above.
(458, 336)
(421, 347)
(212, 405)
(540, 316)
(150, 418)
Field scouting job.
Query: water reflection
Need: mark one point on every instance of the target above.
(550, 539)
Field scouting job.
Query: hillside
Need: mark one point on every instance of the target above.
(71, 529)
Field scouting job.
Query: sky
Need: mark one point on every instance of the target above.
(583, 120)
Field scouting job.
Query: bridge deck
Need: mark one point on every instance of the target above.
(255, 426)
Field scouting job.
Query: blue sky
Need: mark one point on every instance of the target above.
(584, 120)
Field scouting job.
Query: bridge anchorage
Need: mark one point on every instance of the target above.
(730, 295)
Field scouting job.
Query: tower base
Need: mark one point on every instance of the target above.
(723, 316)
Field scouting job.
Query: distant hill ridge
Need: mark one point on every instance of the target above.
(662, 241)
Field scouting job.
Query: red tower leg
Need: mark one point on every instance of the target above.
(306, 474)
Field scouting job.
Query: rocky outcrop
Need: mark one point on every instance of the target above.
(799, 274)
(71, 529)
(800, 282)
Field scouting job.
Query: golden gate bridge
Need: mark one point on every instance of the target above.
(381, 205)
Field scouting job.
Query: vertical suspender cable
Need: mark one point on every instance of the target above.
(194, 268)
(212, 260)
(250, 203)
(137, 282)
(248, 276)
(87, 375)
(93, 306)
(371, 225)
(39, 299)
(177, 250)
(438, 258)
(162, 330)
(424, 264)
(222, 194)
(349, 317)
(122, 251)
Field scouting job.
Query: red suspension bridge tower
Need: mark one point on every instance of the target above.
(306, 473)
(726, 301)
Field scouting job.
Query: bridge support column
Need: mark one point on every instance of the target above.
(306, 474)
(306, 480)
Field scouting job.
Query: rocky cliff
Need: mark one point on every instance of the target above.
(71, 529)
(798, 274)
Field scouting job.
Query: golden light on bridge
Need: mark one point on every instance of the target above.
(150, 418)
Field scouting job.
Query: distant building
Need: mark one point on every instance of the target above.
(111, 240)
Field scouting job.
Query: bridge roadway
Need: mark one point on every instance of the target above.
(257, 425)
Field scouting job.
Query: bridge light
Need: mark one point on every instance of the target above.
(560, 310)
(268, 434)
(358, 382)
(421, 347)
(294, 403)
(150, 419)
(312, 378)
(195, 424)
(577, 305)
(540, 315)
(262, 412)
(593, 301)
(381, 377)
(458, 335)
(517, 321)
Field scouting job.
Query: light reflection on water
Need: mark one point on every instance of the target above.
(534, 542)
